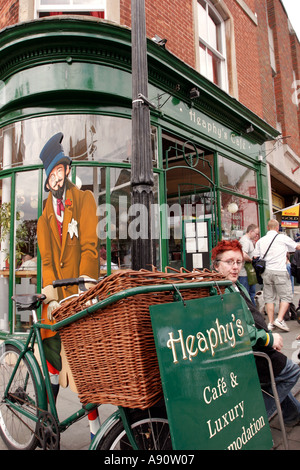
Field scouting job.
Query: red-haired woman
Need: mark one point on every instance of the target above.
(227, 258)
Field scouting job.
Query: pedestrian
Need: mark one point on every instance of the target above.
(276, 279)
(227, 259)
(247, 275)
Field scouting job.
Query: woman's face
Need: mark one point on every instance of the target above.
(230, 264)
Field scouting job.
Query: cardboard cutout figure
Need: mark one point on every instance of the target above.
(68, 245)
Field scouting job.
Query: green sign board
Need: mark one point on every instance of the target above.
(211, 387)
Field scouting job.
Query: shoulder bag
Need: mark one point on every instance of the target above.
(260, 263)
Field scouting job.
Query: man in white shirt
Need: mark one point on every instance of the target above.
(276, 277)
(252, 234)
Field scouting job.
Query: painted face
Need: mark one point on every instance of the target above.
(230, 264)
(57, 180)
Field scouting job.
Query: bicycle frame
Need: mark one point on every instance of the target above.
(42, 376)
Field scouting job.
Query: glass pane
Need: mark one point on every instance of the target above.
(236, 214)
(210, 65)
(86, 3)
(54, 2)
(203, 66)
(26, 215)
(5, 197)
(120, 233)
(117, 223)
(212, 30)
(94, 179)
(86, 138)
(214, 64)
(202, 20)
(237, 178)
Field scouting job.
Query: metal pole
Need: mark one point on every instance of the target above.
(142, 253)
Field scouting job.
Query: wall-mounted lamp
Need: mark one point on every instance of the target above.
(249, 129)
(194, 93)
(161, 42)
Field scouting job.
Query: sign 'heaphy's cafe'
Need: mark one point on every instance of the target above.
(212, 391)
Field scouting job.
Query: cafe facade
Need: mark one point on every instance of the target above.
(73, 75)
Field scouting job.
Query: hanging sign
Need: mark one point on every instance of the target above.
(209, 378)
(290, 217)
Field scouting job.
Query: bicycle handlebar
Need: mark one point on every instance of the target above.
(73, 281)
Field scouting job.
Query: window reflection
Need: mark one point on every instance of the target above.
(86, 138)
(26, 215)
(237, 178)
(5, 216)
(236, 214)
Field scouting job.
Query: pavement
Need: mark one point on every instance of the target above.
(77, 437)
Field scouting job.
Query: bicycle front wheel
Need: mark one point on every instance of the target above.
(17, 430)
(150, 429)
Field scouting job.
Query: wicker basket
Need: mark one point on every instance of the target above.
(112, 353)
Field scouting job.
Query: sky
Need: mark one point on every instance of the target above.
(292, 8)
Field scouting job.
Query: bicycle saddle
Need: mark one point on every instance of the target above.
(28, 301)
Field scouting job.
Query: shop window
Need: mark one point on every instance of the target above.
(236, 214)
(96, 8)
(119, 220)
(237, 178)
(5, 222)
(86, 138)
(25, 242)
(212, 44)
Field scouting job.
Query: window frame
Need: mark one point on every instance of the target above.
(222, 79)
(100, 5)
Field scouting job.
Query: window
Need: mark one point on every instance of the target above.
(272, 50)
(95, 8)
(237, 178)
(212, 48)
(236, 214)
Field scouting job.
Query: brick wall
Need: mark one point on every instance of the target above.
(175, 21)
(266, 78)
(168, 19)
(286, 110)
(9, 12)
(247, 57)
(295, 48)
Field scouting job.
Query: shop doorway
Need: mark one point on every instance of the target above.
(192, 203)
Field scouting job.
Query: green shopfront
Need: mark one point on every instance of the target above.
(73, 75)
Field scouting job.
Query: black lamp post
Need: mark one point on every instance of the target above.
(142, 253)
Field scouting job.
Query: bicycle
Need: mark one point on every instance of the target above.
(28, 413)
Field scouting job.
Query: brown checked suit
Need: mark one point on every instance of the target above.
(76, 254)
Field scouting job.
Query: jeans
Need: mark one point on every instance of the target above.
(285, 381)
(251, 289)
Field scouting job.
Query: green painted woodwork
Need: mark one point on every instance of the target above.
(76, 44)
(72, 65)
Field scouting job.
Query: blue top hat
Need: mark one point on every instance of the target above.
(52, 154)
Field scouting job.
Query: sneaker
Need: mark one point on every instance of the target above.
(270, 326)
(281, 325)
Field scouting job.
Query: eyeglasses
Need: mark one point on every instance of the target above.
(231, 262)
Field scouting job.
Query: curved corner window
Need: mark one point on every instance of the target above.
(87, 138)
